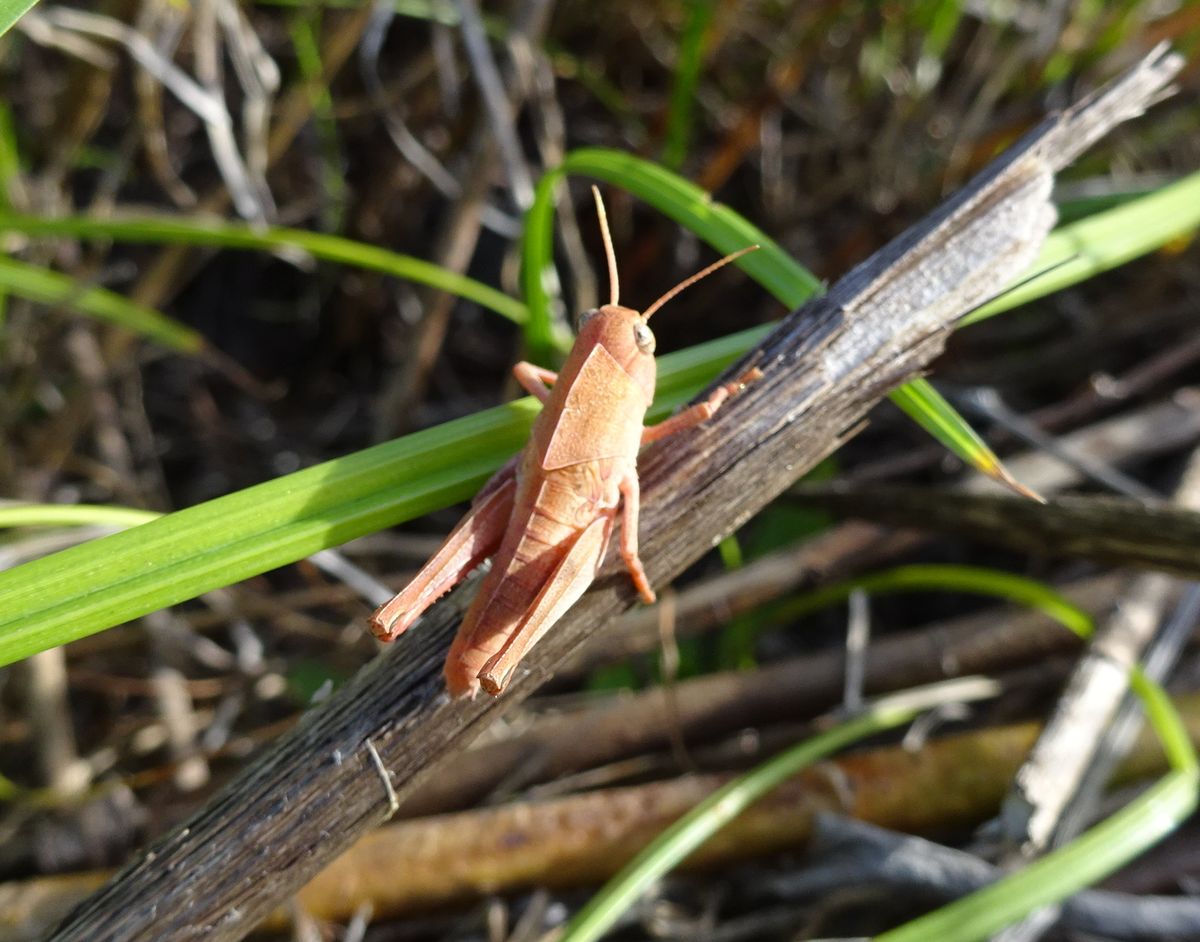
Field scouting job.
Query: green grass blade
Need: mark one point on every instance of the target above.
(11, 11)
(681, 112)
(1101, 850)
(726, 231)
(727, 802)
(304, 27)
(933, 577)
(232, 235)
(1094, 855)
(10, 158)
(1164, 718)
(87, 588)
(925, 406)
(1019, 590)
(1072, 254)
(1105, 240)
(716, 224)
(53, 288)
(72, 515)
(1091, 857)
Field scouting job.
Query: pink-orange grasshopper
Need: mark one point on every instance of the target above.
(547, 515)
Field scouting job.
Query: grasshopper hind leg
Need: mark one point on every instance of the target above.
(476, 537)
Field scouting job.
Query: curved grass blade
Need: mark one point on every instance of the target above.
(925, 405)
(1071, 254)
(232, 235)
(1095, 854)
(10, 158)
(933, 577)
(726, 803)
(716, 224)
(1086, 860)
(304, 27)
(689, 61)
(55, 288)
(278, 522)
(1089, 858)
(726, 231)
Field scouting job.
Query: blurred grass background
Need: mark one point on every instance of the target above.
(245, 239)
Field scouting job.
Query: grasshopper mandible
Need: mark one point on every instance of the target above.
(547, 515)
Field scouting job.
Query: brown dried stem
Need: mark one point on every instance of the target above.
(418, 865)
(1113, 530)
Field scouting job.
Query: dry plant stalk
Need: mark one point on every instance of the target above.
(582, 839)
(316, 790)
(1114, 530)
(708, 707)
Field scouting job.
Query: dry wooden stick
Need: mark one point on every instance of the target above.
(953, 781)
(342, 770)
(1044, 806)
(715, 705)
(707, 605)
(1114, 530)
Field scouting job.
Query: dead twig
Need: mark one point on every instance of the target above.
(417, 865)
(855, 853)
(1052, 778)
(1105, 529)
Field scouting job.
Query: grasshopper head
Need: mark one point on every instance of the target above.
(623, 331)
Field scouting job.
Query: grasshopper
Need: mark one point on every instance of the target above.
(545, 518)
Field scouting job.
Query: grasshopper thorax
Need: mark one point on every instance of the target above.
(625, 335)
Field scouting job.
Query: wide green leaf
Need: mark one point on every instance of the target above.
(88, 588)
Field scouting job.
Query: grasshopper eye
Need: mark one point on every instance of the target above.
(643, 337)
(585, 317)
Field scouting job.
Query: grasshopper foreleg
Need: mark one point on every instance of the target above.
(700, 411)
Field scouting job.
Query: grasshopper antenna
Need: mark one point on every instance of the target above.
(965, 316)
(688, 282)
(614, 286)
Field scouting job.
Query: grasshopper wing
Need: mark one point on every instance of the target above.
(569, 581)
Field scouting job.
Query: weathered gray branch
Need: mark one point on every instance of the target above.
(311, 794)
(1113, 530)
(860, 854)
